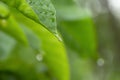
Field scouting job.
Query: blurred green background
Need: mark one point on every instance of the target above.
(59, 40)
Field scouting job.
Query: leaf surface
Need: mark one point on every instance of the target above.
(54, 53)
(41, 11)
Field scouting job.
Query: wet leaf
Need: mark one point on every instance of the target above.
(41, 11)
(45, 12)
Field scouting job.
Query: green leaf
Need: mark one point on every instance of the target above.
(33, 39)
(22, 64)
(54, 53)
(79, 35)
(20, 60)
(45, 12)
(41, 11)
(77, 28)
(55, 56)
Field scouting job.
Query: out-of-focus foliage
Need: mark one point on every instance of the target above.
(27, 50)
(76, 27)
(9, 25)
(78, 32)
(32, 49)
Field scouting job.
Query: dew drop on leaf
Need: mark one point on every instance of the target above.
(39, 57)
(100, 62)
(58, 37)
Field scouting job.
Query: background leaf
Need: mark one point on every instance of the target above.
(7, 44)
(76, 27)
(79, 36)
(11, 27)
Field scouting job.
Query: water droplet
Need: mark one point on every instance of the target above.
(100, 62)
(39, 57)
(58, 37)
